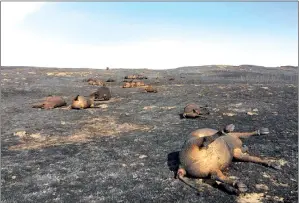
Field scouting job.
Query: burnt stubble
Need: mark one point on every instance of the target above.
(123, 151)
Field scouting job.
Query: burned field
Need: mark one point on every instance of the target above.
(125, 150)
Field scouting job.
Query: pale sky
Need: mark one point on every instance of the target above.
(148, 35)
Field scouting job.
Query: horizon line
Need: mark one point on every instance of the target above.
(116, 68)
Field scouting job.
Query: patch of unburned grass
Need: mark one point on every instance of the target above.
(68, 74)
(162, 107)
(108, 126)
(149, 107)
(257, 198)
(251, 198)
(92, 128)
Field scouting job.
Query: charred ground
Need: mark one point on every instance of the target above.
(125, 150)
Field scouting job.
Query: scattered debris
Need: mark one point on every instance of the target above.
(222, 87)
(251, 198)
(282, 162)
(275, 198)
(168, 107)
(103, 106)
(261, 187)
(215, 109)
(234, 177)
(241, 110)
(265, 175)
(142, 156)
(293, 180)
(229, 114)
(251, 113)
(279, 199)
(149, 107)
(283, 184)
(20, 133)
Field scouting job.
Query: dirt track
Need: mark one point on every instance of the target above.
(126, 149)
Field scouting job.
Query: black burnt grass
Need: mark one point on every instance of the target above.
(139, 165)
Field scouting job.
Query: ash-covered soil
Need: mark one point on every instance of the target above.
(126, 149)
